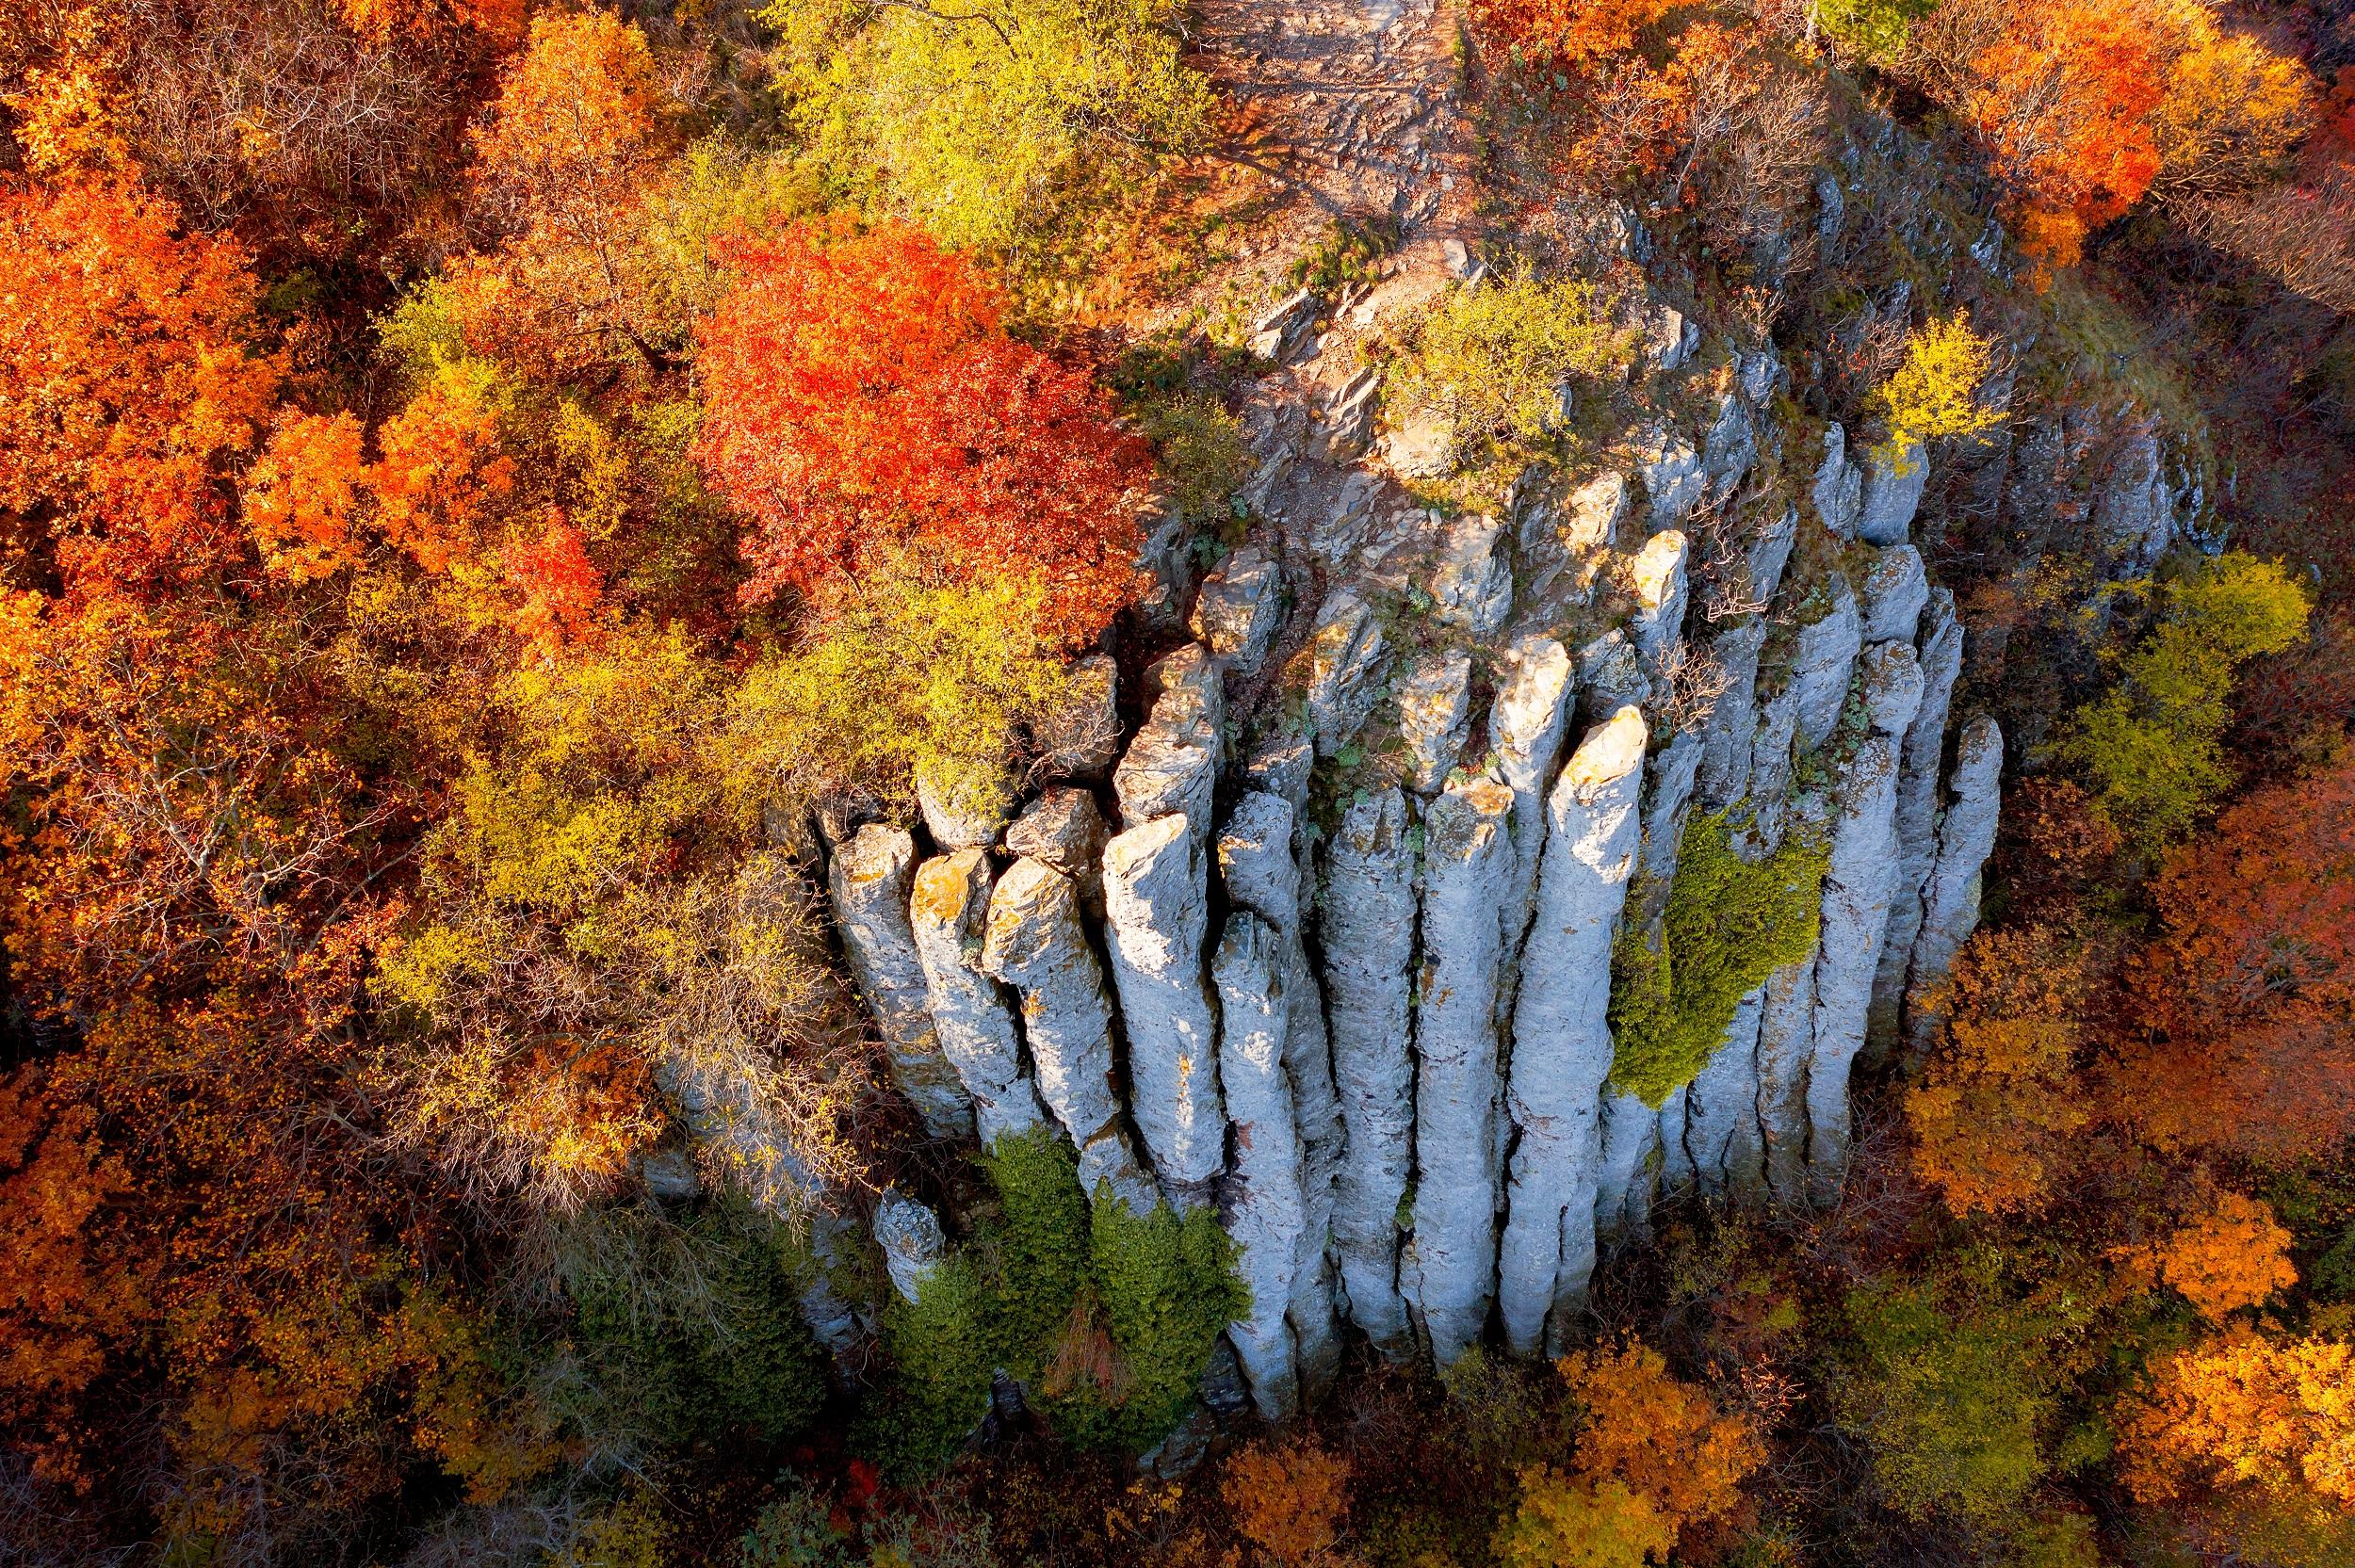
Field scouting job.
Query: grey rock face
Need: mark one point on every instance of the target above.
(1892, 493)
(1449, 1272)
(1950, 901)
(1727, 738)
(1172, 765)
(868, 880)
(1081, 737)
(1917, 813)
(1667, 797)
(1839, 491)
(1627, 1139)
(1561, 1040)
(1265, 1210)
(1656, 578)
(1064, 828)
(1730, 448)
(1588, 530)
(1673, 478)
(1255, 856)
(1768, 554)
(1345, 649)
(1892, 686)
(1610, 677)
(1786, 1039)
(948, 912)
(1420, 444)
(1434, 715)
(909, 1236)
(1526, 723)
(963, 818)
(1721, 1111)
(1033, 941)
(1673, 339)
(1279, 334)
(1368, 932)
(1770, 768)
(1156, 917)
(1857, 890)
(1471, 583)
(1893, 595)
(1819, 669)
(1239, 608)
(1348, 418)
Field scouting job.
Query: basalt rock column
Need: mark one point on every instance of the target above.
(1561, 1036)
(1368, 934)
(1156, 914)
(948, 912)
(869, 881)
(1450, 1271)
(1262, 875)
(1950, 900)
(1856, 888)
(1033, 941)
(1917, 813)
(1265, 1210)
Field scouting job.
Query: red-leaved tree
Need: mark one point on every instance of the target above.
(862, 397)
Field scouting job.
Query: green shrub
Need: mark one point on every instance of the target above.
(1203, 453)
(1728, 925)
(796, 1530)
(1951, 1402)
(981, 123)
(1108, 1317)
(1169, 1288)
(2152, 747)
(685, 1328)
(906, 677)
(1492, 360)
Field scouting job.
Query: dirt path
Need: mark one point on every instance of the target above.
(1351, 107)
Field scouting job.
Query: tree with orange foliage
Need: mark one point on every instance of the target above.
(1290, 1500)
(2244, 1036)
(1992, 1115)
(2228, 1255)
(1567, 35)
(2275, 1415)
(861, 397)
(2064, 99)
(1663, 1439)
(128, 389)
(573, 144)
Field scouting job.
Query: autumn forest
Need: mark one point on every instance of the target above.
(1177, 783)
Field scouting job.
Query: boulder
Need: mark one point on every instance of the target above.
(1065, 828)
(1172, 765)
(1279, 333)
(1348, 418)
(967, 812)
(1434, 699)
(1894, 483)
(1917, 814)
(1893, 594)
(1471, 582)
(1673, 480)
(1239, 608)
(1610, 677)
(1950, 900)
(1257, 864)
(1820, 667)
(1656, 580)
(1345, 649)
(1838, 489)
(908, 1234)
